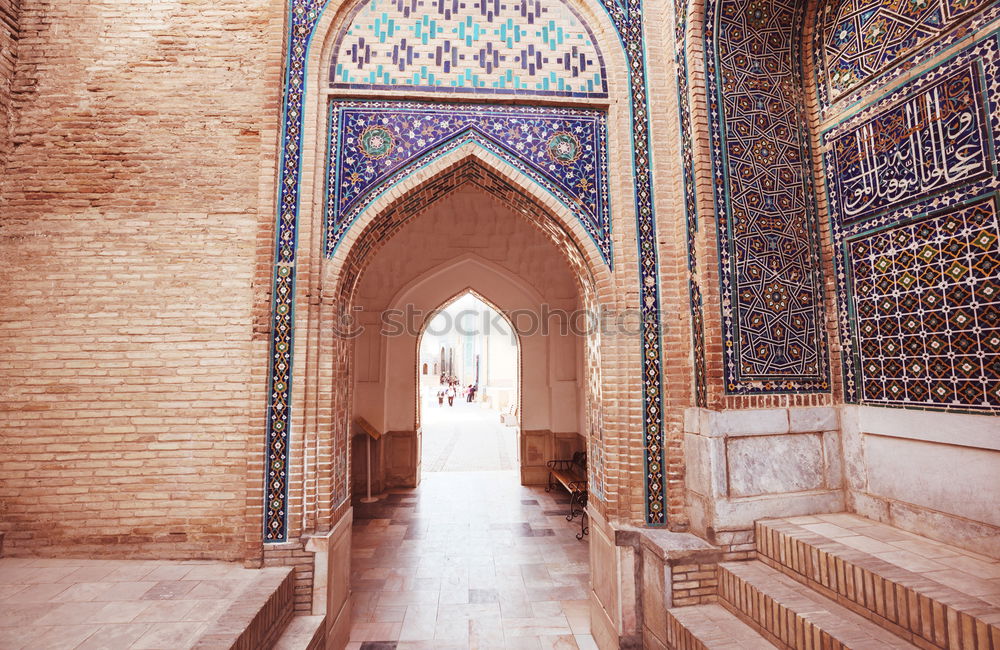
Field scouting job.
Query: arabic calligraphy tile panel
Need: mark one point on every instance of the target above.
(936, 138)
(914, 269)
(565, 150)
(768, 243)
(859, 39)
(479, 46)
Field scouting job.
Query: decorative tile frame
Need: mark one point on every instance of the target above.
(770, 286)
(564, 150)
(303, 15)
(931, 255)
(690, 204)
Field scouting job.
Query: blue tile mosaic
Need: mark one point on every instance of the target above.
(859, 39)
(478, 46)
(914, 222)
(770, 284)
(627, 19)
(375, 144)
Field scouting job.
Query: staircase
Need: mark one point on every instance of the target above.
(842, 581)
(262, 617)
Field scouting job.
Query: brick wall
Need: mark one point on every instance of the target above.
(9, 14)
(131, 224)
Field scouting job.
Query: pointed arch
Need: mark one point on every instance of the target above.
(448, 302)
(405, 199)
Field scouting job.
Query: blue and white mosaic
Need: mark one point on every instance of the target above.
(859, 39)
(375, 144)
(480, 46)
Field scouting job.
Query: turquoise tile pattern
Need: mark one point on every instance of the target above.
(469, 46)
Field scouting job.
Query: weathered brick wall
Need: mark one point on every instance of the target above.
(132, 217)
(9, 13)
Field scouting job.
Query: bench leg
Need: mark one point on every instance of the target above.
(584, 529)
(549, 487)
(573, 501)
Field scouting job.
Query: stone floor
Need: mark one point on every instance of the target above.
(113, 604)
(465, 437)
(469, 560)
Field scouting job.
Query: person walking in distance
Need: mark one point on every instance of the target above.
(451, 395)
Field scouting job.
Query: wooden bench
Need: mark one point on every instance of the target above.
(571, 473)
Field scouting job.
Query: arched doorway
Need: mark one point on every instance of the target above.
(528, 171)
(466, 240)
(468, 417)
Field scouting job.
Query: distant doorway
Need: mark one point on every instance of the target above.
(469, 411)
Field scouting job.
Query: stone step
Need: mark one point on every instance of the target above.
(258, 617)
(711, 627)
(303, 633)
(791, 615)
(935, 595)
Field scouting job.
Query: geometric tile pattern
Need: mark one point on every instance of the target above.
(690, 204)
(565, 150)
(303, 15)
(626, 17)
(771, 290)
(927, 309)
(478, 46)
(859, 39)
(914, 222)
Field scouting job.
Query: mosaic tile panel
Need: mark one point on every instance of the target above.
(935, 139)
(927, 309)
(626, 16)
(482, 46)
(859, 39)
(690, 204)
(772, 307)
(915, 245)
(375, 144)
(302, 18)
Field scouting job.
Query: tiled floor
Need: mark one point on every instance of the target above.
(465, 437)
(112, 604)
(964, 571)
(469, 560)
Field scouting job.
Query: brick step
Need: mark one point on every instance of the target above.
(258, 617)
(711, 627)
(303, 633)
(791, 615)
(935, 595)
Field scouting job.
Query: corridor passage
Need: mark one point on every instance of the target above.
(469, 560)
(465, 437)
